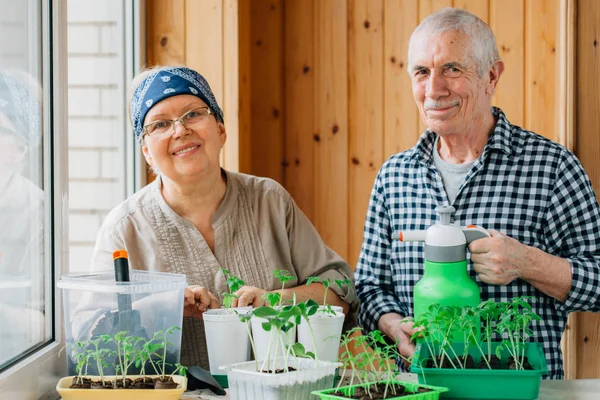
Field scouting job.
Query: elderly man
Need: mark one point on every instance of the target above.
(532, 194)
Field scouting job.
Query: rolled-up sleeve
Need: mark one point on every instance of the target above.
(573, 233)
(374, 285)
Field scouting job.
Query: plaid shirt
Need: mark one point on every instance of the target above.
(523, 185)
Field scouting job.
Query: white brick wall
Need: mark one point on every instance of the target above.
(94, 10)
(84, 227)
(94, 195)
(96, 120)
(84, 101)
(84, 38)
(84, 164)
(95, 132)
(111, 164)
(94, 70)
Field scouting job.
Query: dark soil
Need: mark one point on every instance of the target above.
(377, 391)
(494, 363)
(279, 371)
(513, 365)
(139, 383)
(470, 364)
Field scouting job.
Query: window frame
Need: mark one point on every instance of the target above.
(42, 369)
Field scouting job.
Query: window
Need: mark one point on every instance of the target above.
(97, 120)
(26, 312)
(38, 40)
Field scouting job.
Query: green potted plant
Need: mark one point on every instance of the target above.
(287, 370)
(325, 325)
(262, 338)
(479, 367)
(372, 374)
(131, 351)
(226, 338)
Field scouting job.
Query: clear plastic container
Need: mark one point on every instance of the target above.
(95, 305)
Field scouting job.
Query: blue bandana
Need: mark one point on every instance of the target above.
(165, 83)
(20, 104)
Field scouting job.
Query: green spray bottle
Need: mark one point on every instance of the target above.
(446, 279)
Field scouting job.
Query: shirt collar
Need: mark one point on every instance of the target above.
(500, 139)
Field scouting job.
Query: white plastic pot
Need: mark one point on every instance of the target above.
(227, 337)
(245, 383)
(327, 331)
(262, 339)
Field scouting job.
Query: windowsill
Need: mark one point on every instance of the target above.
(40, 371)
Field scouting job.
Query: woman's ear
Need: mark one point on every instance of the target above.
(222, 133)
(147, 155)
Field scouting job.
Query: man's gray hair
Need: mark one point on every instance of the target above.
(483, 42)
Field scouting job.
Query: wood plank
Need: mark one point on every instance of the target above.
(588, 345)
(331, 123)
(477, 7)
(267, 88)
(231, 87)
(540, 67)
(299, 94)
(165, 35)
(365, 125)
(204, 42)
(567, 135)
(567, 73)
(245, 78)
(165, 23)
(510, 39)
(427, 7)
(401, 116)
(568, 345)
(588, 151)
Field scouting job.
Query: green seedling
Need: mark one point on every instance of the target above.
(101, 354)
(234, 284)
(511, 320)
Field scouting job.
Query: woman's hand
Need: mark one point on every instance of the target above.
(197, 300)
(249, 296)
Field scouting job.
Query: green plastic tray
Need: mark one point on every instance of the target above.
(349, 391)
(222, 380)
(484, 383)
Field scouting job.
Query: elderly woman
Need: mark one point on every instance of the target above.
(197, 218)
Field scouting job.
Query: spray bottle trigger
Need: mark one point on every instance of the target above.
(474, 232)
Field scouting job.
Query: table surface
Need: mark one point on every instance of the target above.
(579, 389)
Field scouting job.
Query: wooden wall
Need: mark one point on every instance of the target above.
(204, 36)
(331, 98)
(323, 97)
(582, 341)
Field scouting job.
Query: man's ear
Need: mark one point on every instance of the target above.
(494, 76)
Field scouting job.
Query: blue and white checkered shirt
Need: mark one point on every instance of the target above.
(523, 185)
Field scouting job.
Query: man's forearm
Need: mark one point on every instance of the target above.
(549, 274)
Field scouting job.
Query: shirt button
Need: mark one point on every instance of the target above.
(439, 178)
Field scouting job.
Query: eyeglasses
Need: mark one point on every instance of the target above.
(164, 128)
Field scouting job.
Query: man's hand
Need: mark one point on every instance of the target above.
(197, 300)
(249, 296)
(499, 259)
(400, 329)
(403, 334)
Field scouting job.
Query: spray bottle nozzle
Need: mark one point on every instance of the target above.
(445, 214)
